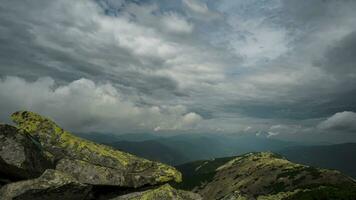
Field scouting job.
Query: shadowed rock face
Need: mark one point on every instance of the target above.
(21, 157)
(268, 176)
(51, 185)
(165, 192)
(79, 157)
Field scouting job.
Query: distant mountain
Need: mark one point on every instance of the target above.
(197, 172)
(137, 137)
(110, 137)
(152, 150)
(264, 176)
(184, 148)
(339, 156)
(174, 150)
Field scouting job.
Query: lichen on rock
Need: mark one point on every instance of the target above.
(51, 184)
(165, 192)
(63, 144)
(268, 176)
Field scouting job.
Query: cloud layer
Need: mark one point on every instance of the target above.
(340, 121)
(83, 105)
(284, 67)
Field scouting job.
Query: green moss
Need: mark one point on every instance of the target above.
(52, 137)
(176, 175)
(164, 192)
(278, 196)
(46, 129)
(325, 192)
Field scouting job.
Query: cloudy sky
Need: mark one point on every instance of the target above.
(283, 67)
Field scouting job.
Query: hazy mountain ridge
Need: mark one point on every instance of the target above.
(337, 156)
(152, 150)
(195, 147)
(183, 149)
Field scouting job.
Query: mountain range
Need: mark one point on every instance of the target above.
(41, 161)
(180, 149)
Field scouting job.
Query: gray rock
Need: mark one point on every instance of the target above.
(165, 192)
(21, 157)
(50, 185)
(92, 174)
(120, 168)
(89, 173)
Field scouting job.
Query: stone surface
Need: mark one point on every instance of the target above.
(165, 192)
(21, 156)
(266, 174)
(50, 185)
(92, 174)
(135, 171)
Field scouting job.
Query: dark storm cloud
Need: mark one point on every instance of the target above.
(340, 58)
(208, 66)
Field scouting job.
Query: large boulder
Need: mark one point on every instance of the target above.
(99, 175)
(83, 156)
(50, 185)
(165, 192)
(21, 157)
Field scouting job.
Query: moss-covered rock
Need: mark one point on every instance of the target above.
(266, 174)
(63, 144)
(165, 192)
(21, 156)
(346, 192)
(50, 185)
(97, 175)
(92, 174)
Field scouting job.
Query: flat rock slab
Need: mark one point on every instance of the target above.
(51, 185)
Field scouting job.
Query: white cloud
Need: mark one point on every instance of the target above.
(191, 119)
(279, 129)
(340, 121)
(197, 6)
(247, 128)
(176, 24)
(200, 10)
(84, 105)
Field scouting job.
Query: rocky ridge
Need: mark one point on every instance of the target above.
(40, 160)
(267, 175)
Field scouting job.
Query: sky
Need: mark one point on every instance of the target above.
(285, 68)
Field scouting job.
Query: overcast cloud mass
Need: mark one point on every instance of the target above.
(283, 67)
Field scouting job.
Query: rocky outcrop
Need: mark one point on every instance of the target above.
(51, 185)
(165, 192)
(268, 176)
(90, 162)
(99, 175)
(21, 157)
(59, 165)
